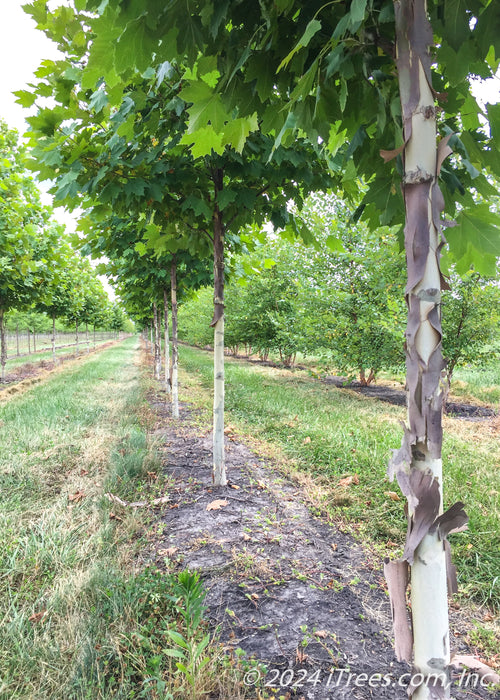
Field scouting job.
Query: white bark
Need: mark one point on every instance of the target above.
(54, 339)
(175, 346)
(219, 467)
(168, 388)
(431, 648)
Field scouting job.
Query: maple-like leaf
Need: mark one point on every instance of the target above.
(217, 504)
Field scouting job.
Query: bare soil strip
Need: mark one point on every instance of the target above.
(289, 588)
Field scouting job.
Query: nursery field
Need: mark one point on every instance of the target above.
(97, 602)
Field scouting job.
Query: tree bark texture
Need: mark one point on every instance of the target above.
(87, 341)
(77, 339)
(17, 340)
(168, 384)
(219, 466)
(175, 345)
(417, 464)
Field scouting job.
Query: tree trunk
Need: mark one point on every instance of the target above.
(3, 345)
(34, 340)
(158, 326)
(417, 464)
(156, 349)
(94, 338)
(151, 337)
(168, 384)
(29, 342)
(219, 466)
(54, 338)
(175, 347)
(17, 340)
(77, 338)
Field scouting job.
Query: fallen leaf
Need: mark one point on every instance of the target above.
(37, 617)
(334, 546)
(392, 495)
(390, 543)
(321, 633)
(306, 440)
(488, 617)
(84, 472)
(169, 552)
(347, 481)
(217, 505)
(234, 486)
(113, 516)
(76, 497)
(246, 537)
(255, 596)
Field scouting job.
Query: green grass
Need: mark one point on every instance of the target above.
(34, 358)
(332, 434)
(481, 383)
(79, 620)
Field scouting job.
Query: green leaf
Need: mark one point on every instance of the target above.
(227, 196)
(312, 28)
(198, 206)
(479, 228)
(25, 98)
(357, 12)
(456, 22)
(141, 248)
(203, 141)
(236, 131)
(335, 244)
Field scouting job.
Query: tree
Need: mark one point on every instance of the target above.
(329, 64)
(125, 162)
(22, 218)
(471, 319)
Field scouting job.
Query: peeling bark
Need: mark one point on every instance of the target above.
(417, 464)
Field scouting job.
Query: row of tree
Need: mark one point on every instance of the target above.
(344, 306)
(40, 270)
(178, 126)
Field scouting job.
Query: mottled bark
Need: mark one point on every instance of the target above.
(417, 464)
(157, 360)
(219, 466)
(175, 345)
(87, 341)
(77, 338)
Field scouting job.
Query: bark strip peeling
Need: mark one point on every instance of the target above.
(417, 464)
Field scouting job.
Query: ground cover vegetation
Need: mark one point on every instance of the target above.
(317, 426)
(79, 618)
(220, 115)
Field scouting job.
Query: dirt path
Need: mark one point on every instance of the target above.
(290, 589)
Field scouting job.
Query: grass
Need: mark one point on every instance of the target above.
(33, 359)
(335, 435)
(79, 619)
